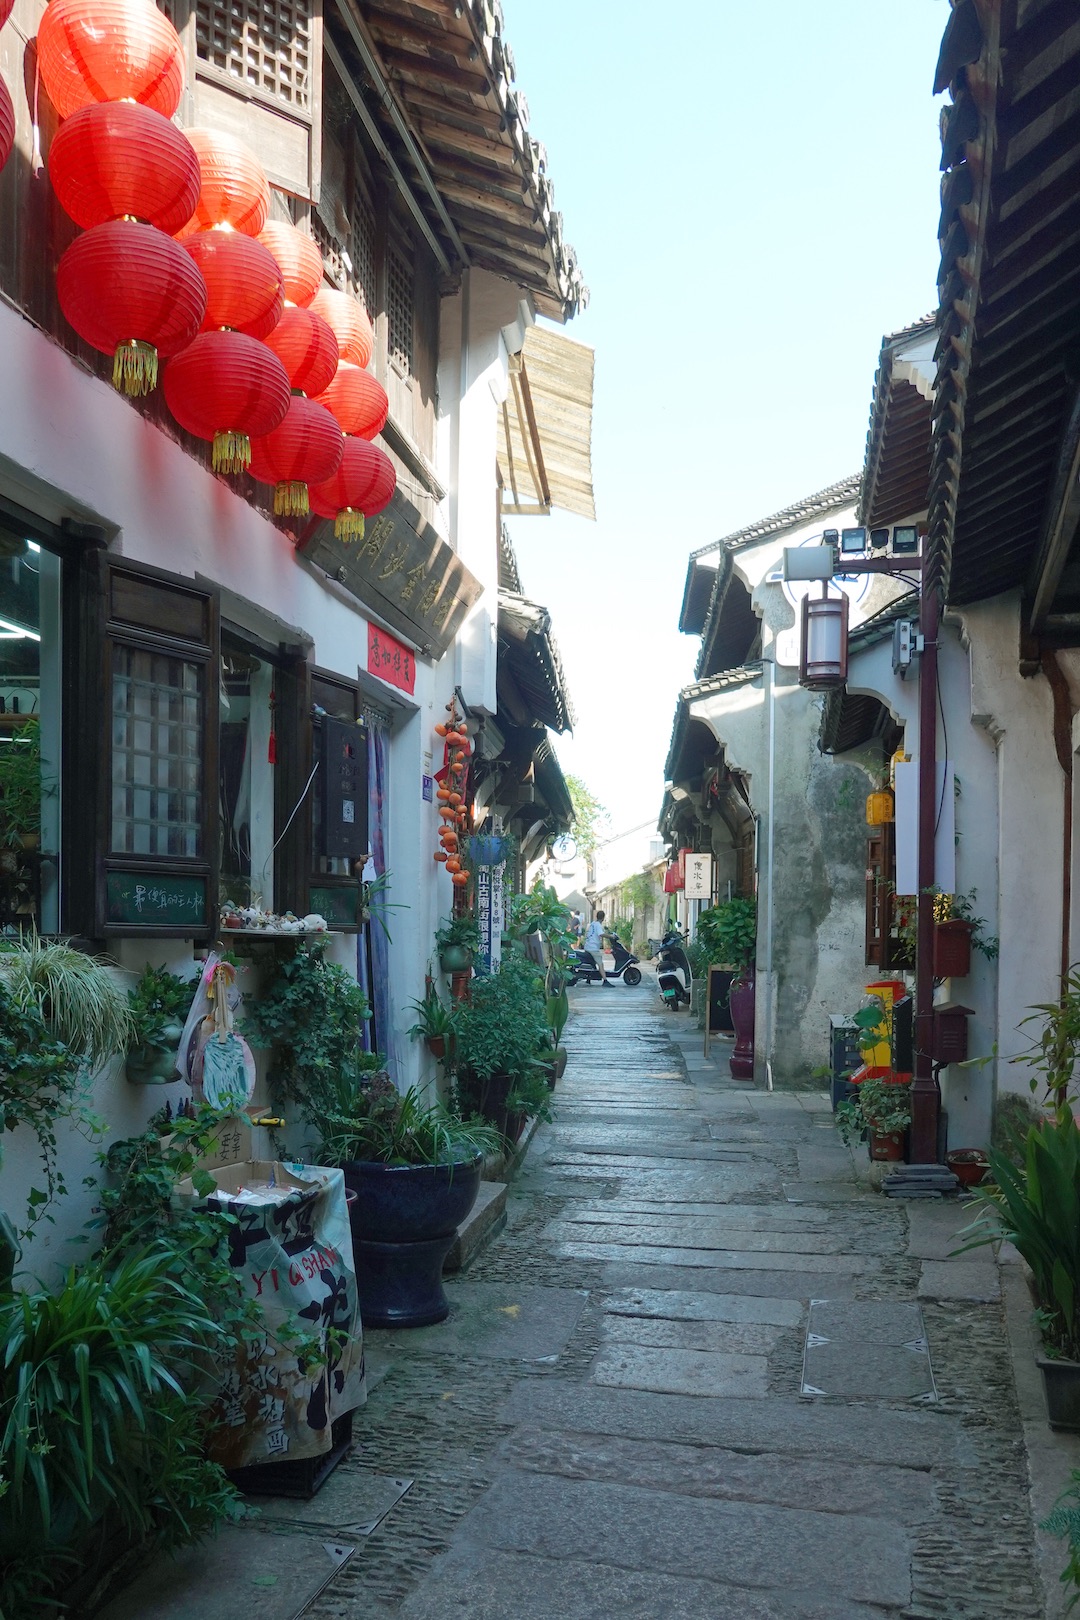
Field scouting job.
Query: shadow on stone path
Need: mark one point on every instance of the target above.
(624, 1415)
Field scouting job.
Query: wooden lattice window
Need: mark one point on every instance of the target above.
(399, 311)
(265, 44)
(362, 248)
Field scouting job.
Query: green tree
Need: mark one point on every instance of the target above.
(591, 821)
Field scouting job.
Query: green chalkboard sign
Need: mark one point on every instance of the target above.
(339, 903)
(155, 900)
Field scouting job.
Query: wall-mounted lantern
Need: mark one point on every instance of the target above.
(823, 653)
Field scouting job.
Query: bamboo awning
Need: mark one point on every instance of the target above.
(545, 441)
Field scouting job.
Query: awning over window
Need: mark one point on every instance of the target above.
(545, 444)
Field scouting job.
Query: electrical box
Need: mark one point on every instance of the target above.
(903, 646)
(344, 790)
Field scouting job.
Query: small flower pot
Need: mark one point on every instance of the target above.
(968, 1165)
(952, 949)
(887, 1148)
(436, 1045)
(1061, 1383)
(455, 958)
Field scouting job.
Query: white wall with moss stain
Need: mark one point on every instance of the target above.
(811, 915)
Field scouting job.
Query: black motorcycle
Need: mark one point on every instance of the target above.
(583, 968)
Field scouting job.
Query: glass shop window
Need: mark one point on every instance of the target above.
(247, 743)
(30, 729)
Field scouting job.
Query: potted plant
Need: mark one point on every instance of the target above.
(313, 1013)
(434, 1024)
(879, 1110)
(498, 1033)
(457, 940)
(415, 1169)
(956, 931)
(729, 934)
(1034, 1206)
(21, 787)
(159, 1004)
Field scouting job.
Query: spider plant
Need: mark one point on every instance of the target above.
(80, 1003)
(98, 1436)
(374, 1123)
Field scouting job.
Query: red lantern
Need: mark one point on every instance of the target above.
(131, 292)
(358, 400)
(5, 11)
(306, 348)
(361, 487)
(227, 387)
(305, 449)
(243, 283)
(234, 188)
(7, 124)
(109, 50)
(349, 323)
(298, 257)
(117, 158)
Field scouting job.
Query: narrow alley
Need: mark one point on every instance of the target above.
(617, 1419)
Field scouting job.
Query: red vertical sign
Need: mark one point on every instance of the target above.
(390, 659)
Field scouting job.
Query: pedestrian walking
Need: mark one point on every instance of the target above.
(594, 942)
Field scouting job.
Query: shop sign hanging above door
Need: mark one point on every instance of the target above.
(698, 877)
(404, 571)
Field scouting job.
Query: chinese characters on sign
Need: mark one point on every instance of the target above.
(390, 660)
(698, 876)
(489, 915)
(404, 571)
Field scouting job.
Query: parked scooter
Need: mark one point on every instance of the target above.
(584, 970)
(674, 977)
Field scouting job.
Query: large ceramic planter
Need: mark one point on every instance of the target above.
(455, 958)
(952, 949)
(1061, 1382)
(741, 1002)
(968, 1165)
(403, 1220)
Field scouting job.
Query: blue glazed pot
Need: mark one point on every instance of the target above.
(409, 1203)
(487, 849)
(404, 1218)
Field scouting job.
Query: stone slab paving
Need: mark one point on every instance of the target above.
(612, 1421)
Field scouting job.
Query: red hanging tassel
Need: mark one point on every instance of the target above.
(271, 752)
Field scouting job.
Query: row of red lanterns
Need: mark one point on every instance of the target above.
(179, 259)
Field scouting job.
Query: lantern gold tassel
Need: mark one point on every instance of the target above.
(231, 452)
(135, 368)
(290, 499)
(349, 524)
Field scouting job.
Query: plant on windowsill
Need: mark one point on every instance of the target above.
(160, 1002)
(415, 1170)
(433, 1023)
(457, 941)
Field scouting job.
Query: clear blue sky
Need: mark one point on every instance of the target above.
(752, 191)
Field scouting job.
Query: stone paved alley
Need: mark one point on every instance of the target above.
(611, 1423)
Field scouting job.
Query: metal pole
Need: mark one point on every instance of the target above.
(925, 1095)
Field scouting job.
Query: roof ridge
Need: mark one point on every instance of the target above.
(823, 500)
